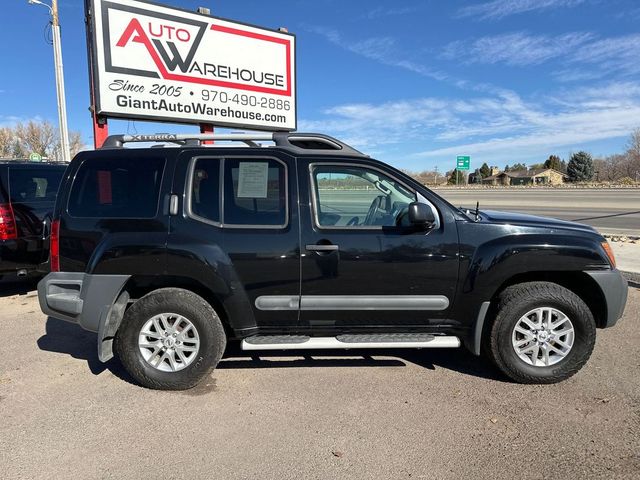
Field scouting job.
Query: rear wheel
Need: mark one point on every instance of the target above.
(542, 333)
(170, 339)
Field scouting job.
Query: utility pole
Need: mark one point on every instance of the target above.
(62, 103)
(57, 60)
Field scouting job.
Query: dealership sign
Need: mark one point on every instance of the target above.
(159, 63)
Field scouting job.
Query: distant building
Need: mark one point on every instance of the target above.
(543, 176)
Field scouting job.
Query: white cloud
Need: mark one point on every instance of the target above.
(617, 54)
(380, 12)
(381, 49)
(632, 14)
(585, 115)
(500, 127)
(498, 9)
(517, 48)
(385, 50)
(583, 56)
(11, 120)
(578, 74)
(562, 131)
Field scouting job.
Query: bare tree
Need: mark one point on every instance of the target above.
(631, 165)
(76, 144)
(609, 167)
(7, 141)
(425, 177)
(36, 137)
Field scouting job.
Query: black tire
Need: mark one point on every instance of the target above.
(197, 311)
(515, 302)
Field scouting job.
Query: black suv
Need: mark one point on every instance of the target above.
(27, 197)
(171, 253)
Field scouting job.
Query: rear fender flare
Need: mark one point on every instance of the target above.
(109, 325)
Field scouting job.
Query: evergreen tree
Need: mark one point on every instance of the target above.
(553, 162)
(485, 170)
(452, 178)
(580, 167)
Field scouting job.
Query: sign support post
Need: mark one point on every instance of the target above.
(207, 128)
(100, 130)
(463, 163)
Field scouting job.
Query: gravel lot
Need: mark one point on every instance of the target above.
(423, 414)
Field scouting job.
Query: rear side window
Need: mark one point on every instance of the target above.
(117, 188)
(32, 185)
(255, 192)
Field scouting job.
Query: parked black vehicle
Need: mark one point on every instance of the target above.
(27, 198)
(171, 253)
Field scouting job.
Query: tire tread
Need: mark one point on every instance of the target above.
(520, 293)
(182, 380)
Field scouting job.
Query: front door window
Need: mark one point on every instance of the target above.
(358, 197)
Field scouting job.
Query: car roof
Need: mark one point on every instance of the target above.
(22, 162)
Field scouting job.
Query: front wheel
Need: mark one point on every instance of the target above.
(170, 339)
(542, 333)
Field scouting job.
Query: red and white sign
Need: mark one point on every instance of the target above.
(159, 63)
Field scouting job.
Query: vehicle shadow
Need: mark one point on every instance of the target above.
(459, 360)
(14, 286)
(70, 339)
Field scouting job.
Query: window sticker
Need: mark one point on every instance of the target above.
(252, 179)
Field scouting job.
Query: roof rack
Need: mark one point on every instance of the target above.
(301, 143)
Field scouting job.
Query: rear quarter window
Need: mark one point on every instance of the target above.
(33, 185)
(117, 188)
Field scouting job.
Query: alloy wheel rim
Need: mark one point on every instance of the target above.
(169, 342)
(543, 337)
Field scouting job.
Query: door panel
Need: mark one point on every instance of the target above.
(379, 271)
(253, 228)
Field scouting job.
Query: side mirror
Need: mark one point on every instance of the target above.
(420, 214)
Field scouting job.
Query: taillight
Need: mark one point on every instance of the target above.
(54, 248)
(8, 230)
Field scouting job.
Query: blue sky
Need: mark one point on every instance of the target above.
(414, 83)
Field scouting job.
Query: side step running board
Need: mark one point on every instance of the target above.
(391, 340)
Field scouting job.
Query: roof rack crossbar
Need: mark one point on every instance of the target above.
(299, 142)
(118, 141)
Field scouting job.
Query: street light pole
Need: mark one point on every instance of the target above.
(57, 60)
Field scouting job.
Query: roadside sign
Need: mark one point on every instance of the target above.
(35, 157)
(463, 162)
(160, 63)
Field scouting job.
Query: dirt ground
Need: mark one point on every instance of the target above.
(406, 414)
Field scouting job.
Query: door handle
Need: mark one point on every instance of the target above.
(322, 248)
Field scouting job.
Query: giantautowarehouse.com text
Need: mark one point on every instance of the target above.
(196, 108)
